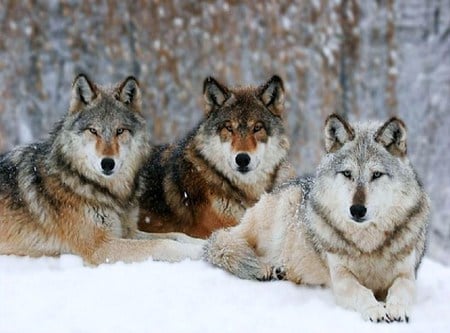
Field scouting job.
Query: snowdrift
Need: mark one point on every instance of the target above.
(61, 295)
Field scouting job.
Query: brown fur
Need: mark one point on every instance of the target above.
(360, 196)
(190, 186)
(55, 198)
(305, 228)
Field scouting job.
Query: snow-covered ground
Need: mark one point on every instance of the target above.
(61, 295)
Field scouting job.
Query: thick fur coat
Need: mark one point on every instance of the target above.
(208, 179)
(358, 226)
(77, 191)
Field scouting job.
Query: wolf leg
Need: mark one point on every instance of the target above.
(252, 249)
(349, 293)
(402, 291)
(176, 236)
(133, 250)
(400, 297)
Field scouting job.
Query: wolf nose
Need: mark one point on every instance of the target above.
(242, 160)
(358, 212)
(107, 165)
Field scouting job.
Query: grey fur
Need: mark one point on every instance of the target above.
(308, 228)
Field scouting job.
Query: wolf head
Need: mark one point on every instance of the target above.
(243, 134)
(103, 135)
(366, 180)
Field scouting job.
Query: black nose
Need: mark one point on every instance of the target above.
(242, 160)
(358, 212)
(107, 165)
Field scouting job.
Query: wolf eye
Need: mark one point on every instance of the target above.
(376, 175)
(92, 130)
(257, 128)
(347, 174)
(120, 131)
(229, 128)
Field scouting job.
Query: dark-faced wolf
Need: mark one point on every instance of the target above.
(358, 226)
(208, 179)
(76, 192)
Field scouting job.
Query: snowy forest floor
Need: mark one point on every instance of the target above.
(61, 295)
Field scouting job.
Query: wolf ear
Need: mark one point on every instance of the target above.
(129, 93)
(214, 93)
(337, 133)
(271, 94)
(83, 92)
(392, 135)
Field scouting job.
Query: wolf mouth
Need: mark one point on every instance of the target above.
(108, 173)
(243, 170)
(359, 220)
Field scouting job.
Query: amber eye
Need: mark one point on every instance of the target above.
(229, 128)
(92, 130)
(120, 131)
(257, 128)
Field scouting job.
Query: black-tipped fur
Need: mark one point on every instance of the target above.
(84, 89)
(214, 93)
(193, 186)
(272, 94)
(337, 132)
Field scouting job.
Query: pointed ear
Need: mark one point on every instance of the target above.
(272, 95)
(83, 92)
(392, 135)
(214, 93)
(129, 93)
(337, 133)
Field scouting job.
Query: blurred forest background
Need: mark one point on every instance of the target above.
(363, 59)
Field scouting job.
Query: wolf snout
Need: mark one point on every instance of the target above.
(107, 165)
(243, 161)
(358, 212)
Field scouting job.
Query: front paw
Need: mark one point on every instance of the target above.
(397, 312)
(278, 273)
(375, 313)
(273, 273)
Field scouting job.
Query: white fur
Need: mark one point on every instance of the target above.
(315, 240)
(81, 152)
(262, 163)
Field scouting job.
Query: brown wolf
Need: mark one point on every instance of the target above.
(208, 179)
(76, 192)
(359, 226)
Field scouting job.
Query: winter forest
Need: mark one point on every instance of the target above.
(364, 59)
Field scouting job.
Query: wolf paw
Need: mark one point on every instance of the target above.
(376, 314)
(397, 312)
(274, 273)
(266, 276)
(278, 273)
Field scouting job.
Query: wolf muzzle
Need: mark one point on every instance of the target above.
(107, 165)
(243, 160)
(358, 212)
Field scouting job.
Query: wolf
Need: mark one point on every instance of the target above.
(210, 177)
(358, 226)
(77, 191)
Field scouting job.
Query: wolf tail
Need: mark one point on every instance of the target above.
(227, 250)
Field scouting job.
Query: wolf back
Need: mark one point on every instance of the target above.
(207, 180)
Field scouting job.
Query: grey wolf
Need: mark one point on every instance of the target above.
(210, 177)
(76, 192)
(358, 226)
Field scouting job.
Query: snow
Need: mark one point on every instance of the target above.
(61, 295)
